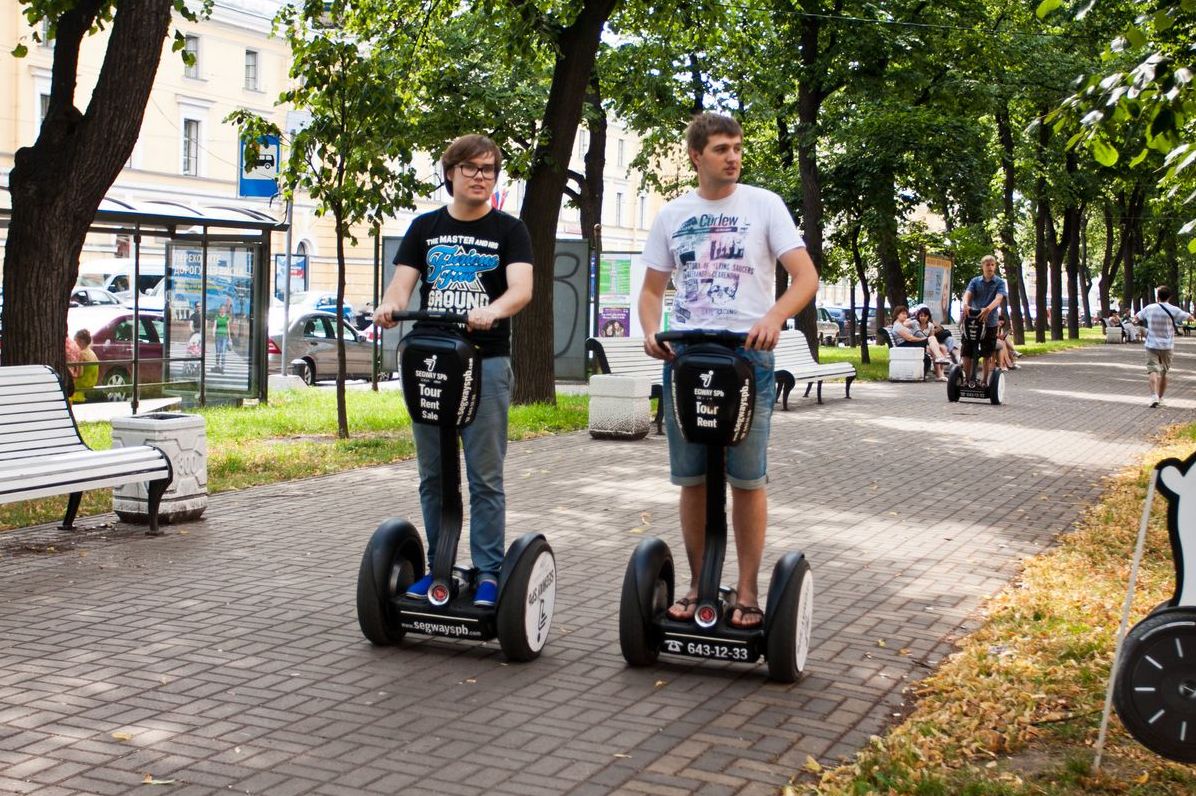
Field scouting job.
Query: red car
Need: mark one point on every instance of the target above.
(112, 340)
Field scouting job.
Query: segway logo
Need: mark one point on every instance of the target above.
(706, 378)
(538, 592)
(430, 362)
(438, 629)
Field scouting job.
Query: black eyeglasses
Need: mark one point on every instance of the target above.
(489, 171)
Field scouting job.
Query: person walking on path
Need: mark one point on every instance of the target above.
(221, 331)
(1162, 320)
(983, 296)
(719, 244)
(473, 259)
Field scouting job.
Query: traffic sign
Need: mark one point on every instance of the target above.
(260, 178)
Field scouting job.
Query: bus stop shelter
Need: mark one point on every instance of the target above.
(202, 333)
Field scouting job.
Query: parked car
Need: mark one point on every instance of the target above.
(153, 299)
(93, 297)
(112, 340)
(828, 332)
(828, 316)
(312, 338)
(309, 301)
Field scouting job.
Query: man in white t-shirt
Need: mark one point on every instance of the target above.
(719, 244)
(1161, 320)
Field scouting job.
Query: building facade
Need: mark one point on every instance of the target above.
(188, 154)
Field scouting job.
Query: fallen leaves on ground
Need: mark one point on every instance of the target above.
(1034, 675)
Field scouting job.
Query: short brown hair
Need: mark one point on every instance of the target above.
(1163, 292)
(83, 337)
(468, 147)
(900, 308)
(705, 125)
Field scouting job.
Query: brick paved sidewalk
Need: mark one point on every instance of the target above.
(226, 655)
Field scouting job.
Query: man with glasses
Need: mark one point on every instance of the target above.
(470, 258)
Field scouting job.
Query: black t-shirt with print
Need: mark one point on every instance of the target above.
(463, 264)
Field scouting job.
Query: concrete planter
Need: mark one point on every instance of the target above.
(906, 363)
(183, 438)
(619, 407)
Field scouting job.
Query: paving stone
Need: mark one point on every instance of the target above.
(233, 658)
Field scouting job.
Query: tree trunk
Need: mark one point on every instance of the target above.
(1110, 261)
(1009, 252)
(342, 414)
(810, 96)
(1040, 274)
(886, 240)
(1071, 237)
(861, 274)
(1085, 271)
(58, 183)
(1055, 250)
(590, 193)
(532, 338)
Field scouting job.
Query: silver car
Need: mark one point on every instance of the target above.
(312, 339)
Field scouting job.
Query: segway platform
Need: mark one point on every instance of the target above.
(441, 373)
(964, 384)
(1154, 689)
(714, 397)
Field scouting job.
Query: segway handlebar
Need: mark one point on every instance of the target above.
(720, 336)
(434, 316)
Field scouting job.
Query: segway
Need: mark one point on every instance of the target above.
(963, 384)
(1154, 690)
(714, 398)
(441, 372)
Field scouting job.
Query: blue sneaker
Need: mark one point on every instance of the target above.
(487, 593)
(419, 589)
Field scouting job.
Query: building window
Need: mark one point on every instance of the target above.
(191, 147)
(619, 209)
(622, 161)
(643, 212)
(251, 70)
(44, 106)
(191, 48)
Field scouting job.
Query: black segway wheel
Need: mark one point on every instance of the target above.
(954, 381)
(1155, 690)
(789, 618)
(996, 387)
(647, 592)
(526, 600)
(393, 560)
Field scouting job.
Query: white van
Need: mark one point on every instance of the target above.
(115, 274)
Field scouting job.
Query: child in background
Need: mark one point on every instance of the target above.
(88, 370)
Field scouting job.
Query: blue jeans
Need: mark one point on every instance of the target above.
(747, 462)
(485, 444)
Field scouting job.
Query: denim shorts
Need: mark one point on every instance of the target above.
(747, 462)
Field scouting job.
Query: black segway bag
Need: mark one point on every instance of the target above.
(442, 377)
(714, 395)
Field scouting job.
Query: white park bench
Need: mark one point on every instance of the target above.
(624, 356)
(795, 365)
(42, 453)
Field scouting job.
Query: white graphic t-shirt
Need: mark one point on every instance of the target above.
(722, 254)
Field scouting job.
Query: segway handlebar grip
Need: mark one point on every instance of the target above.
(720, 336)
(435, 316)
